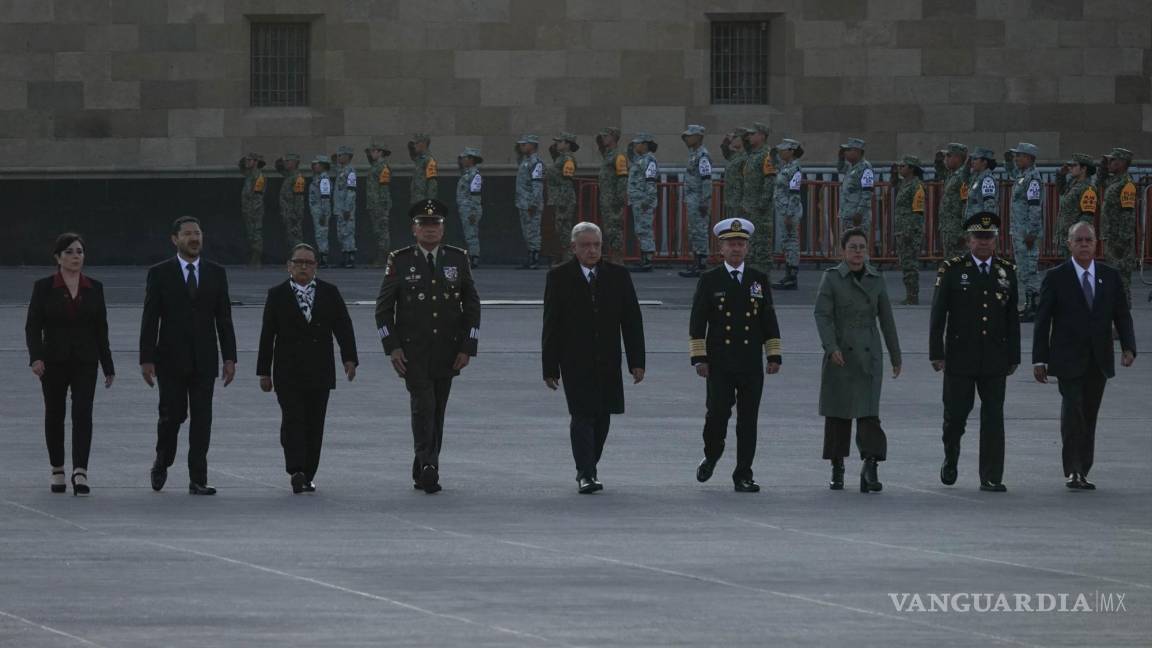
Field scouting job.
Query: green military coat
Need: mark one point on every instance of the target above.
(847, 311)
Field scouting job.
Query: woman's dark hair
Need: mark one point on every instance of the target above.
(65, 240)
(179, 222)
(849, 233)
(918, 171)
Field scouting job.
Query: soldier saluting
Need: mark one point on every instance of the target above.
(974, 338)
(428, 317)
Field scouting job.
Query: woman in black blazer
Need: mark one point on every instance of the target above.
(67, 334)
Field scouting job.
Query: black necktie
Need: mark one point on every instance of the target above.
(592, 283)
(193, 285)
(1086, 286)
(431, 263)
(984, 267)
(736, 276)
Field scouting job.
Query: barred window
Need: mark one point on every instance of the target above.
(279, 64)
(740, 62)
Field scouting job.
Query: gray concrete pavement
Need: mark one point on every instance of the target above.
(510, 555)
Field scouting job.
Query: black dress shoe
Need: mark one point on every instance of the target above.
(299, 482)
(430, 479)
(1073, 482)
(200, 489)
(948, 471)
(704, 470)
(869, 480)
(837, 481)
(993, 487)
(585, 485)
(159, 476)
(747, 486)
(1085, 484)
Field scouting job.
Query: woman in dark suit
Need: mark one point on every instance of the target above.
(67, 334)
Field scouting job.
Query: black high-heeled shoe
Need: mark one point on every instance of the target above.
(58, 485)
(837, 482)
(869, 480)
(80, 482)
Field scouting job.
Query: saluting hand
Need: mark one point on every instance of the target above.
(229, 372)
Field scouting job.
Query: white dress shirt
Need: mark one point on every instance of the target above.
(587, 272)
(184, 267)
(739, 271)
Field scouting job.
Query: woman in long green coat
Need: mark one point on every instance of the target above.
(851, 300)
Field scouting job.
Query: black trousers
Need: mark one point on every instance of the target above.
(58, 378)
(1079, 406)
(184, 396)
(429, 399)
(870, 438)
(588, 432)
(743, 390)
(302, 414)
(959, 397)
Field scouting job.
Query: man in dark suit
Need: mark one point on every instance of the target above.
(974, 338)
(301, 316)
(1080, 302)
(588, 305)
(732, 320)
(186, 310)
(428, 317)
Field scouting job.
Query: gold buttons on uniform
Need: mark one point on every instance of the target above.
(745, 341)
(433, 331)
(727, 341)
(747, 328)
(438, 315)
(728, 328)
(985, 318)
(728, 314)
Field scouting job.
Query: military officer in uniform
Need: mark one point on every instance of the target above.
(320, 205)
(378, 194)
(908, 225)
(344, 204)
(1118, 215)
(759, 187)
(788, 209)
(734, 155)
(643, 190)
(952, 168)
(857, 185)
(293, 197)
(983, 193)
(1078, 198)
(697, 197)
(1027, 222)
(425, 174)
(530, 196)
(562, 189)
(468, 200)
(428, 317)
(732, 324)
(974, 338)
(252, 206)
(612, 183)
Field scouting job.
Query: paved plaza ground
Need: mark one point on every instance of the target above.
(510, 555)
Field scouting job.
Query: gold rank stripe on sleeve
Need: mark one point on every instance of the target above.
(773, 347)
(697, 347)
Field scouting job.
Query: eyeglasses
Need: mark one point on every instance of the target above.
(1084, 239)
(302, 262)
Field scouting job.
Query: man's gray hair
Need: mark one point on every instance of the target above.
(1077, 225)
(586, 226)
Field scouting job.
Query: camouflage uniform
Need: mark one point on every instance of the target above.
(562, 191)
(320, 204)
(908, 227)
(953, 200)
(612, 182)
(857, 185)
(425, 173)
(759, 188)
(1118, 222)
(983, 192)
(344, 206)
(643, 176)
(293, 198)
(698, 193)
(468, 189)
(788, 210)
(378, 195)
(530, 196)
(1078, 202)
(1027, 220)
(734, 178)
(252, 207)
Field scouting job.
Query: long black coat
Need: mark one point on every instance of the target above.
(1070, 337)
(297, 353)
(178, 333)
(581, 337)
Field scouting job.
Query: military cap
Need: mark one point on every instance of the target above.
(1120, 154)
(345, 150)
(428, 210)
(1082, 159)
(955, 148)
(320, 159)
(693, 129)
(788, 144)
(570, 138)
(472, 152)
(740, 131)
(983, 223)
(609, 130)
(1025, 148)
(420, 137)
(910, 160)
(733, 228)
(377, 144)
(290, 157)
(760, 127)
(643, 137)
(256, 156)
(981, 153)
(528, 138)
(853, 143)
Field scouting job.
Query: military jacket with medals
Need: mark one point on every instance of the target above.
(733, 325)
(432, 314)
(975, 327)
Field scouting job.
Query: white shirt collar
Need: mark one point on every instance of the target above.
(729, 268)
(978, 261)
(184, 263)
(1080, 270)
(434, 251)
(586, 270)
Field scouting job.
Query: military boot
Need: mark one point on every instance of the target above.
(645, 263)
(695, 269)
(790, 281)
(1029, 312)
